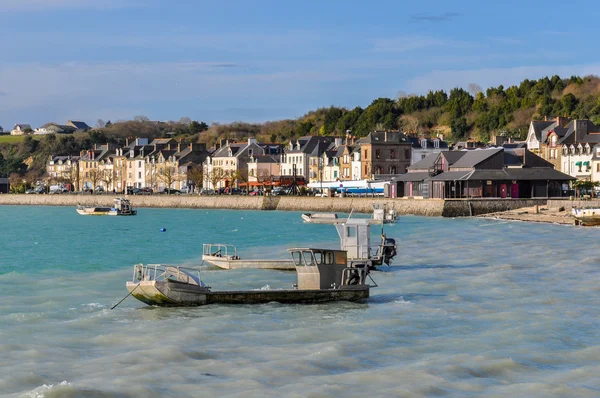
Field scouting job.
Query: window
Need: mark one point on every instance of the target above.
(139, 174)
(392, 154)
(407, 154)
(335, 174)
(423, 156)
(250, 152)
(392, 169)
(423, 143)
(139, 163)
(365, 154)
(366, 171)
(597, 167)
(436, 143)
(377, 153)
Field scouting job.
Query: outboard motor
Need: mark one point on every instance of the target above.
(389, 250)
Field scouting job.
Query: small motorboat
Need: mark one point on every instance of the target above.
(121, 207)
(380, 214)
(323, 275)
(586, 216)
(226, 257)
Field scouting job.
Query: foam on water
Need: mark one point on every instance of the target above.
(503, 310)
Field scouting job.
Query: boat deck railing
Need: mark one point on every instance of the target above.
(363, 251)
(219, 250)
(164, 272)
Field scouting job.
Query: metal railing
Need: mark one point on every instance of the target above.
(163, 272)
(219, 249)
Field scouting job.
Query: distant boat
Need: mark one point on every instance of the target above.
(379, 215)
(121, 207)
(587, 216)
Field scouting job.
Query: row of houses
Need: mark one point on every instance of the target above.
(417, 167)
(72, 126)
(160, 164)
(316, 158)
(571, 145)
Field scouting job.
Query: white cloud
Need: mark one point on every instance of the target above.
(493, 77)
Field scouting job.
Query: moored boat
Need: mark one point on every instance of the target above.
(323, 275)
(586, 216)
(225, 256)
(121, 207)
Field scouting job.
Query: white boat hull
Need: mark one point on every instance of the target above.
(229, 263)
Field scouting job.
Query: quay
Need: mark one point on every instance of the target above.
(402, 206)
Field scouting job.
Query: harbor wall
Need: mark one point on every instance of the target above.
(421, 207)
(569, 204)
(476, 207)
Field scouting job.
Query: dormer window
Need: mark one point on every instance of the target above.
(423, 143)
(436, 143)
(250, 152)
(553, 140)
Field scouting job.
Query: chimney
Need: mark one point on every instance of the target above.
(338, 141)
(179, 146)
(252, 140)
(126, 141)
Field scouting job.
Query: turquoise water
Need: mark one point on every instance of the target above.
(471, 307)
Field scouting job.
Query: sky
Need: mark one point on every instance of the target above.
(255, 61)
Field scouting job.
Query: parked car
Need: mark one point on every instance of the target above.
(146, 191)
(206, 191)
(255, 192)
(171, 191)
(99, 189)
(30, 191)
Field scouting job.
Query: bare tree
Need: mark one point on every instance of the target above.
(196, 175)
(411, 124)
(100, 123)
(185, 120)
(168, 175)
(474, 89)
(93, 177)
(215, 177)
(108, 177)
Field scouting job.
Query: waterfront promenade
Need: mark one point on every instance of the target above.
(403, 206)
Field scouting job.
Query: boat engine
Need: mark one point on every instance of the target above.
(389, 250)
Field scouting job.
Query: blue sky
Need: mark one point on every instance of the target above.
(229, 60)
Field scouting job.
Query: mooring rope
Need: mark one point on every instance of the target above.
(115, 306)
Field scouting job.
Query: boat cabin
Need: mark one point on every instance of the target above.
(325, 269)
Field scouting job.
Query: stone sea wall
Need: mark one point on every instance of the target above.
(569, 204)
(476, 207)
(421, 207)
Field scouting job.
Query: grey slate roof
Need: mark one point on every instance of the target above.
(539, 126)
(452, 156)
(474, 157)
(425, 163)
(379, 137)
(415, 176)
(450, 176)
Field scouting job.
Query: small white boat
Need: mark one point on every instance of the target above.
(586, 216)
(225, 256)
(379, 215)
(121, 207)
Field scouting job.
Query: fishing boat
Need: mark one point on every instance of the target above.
(586, 216)
(355, 239)
(323, 275)
(121, 207)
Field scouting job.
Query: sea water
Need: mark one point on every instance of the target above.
(470, 307)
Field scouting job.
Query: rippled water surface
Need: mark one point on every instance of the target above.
(470, 307)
